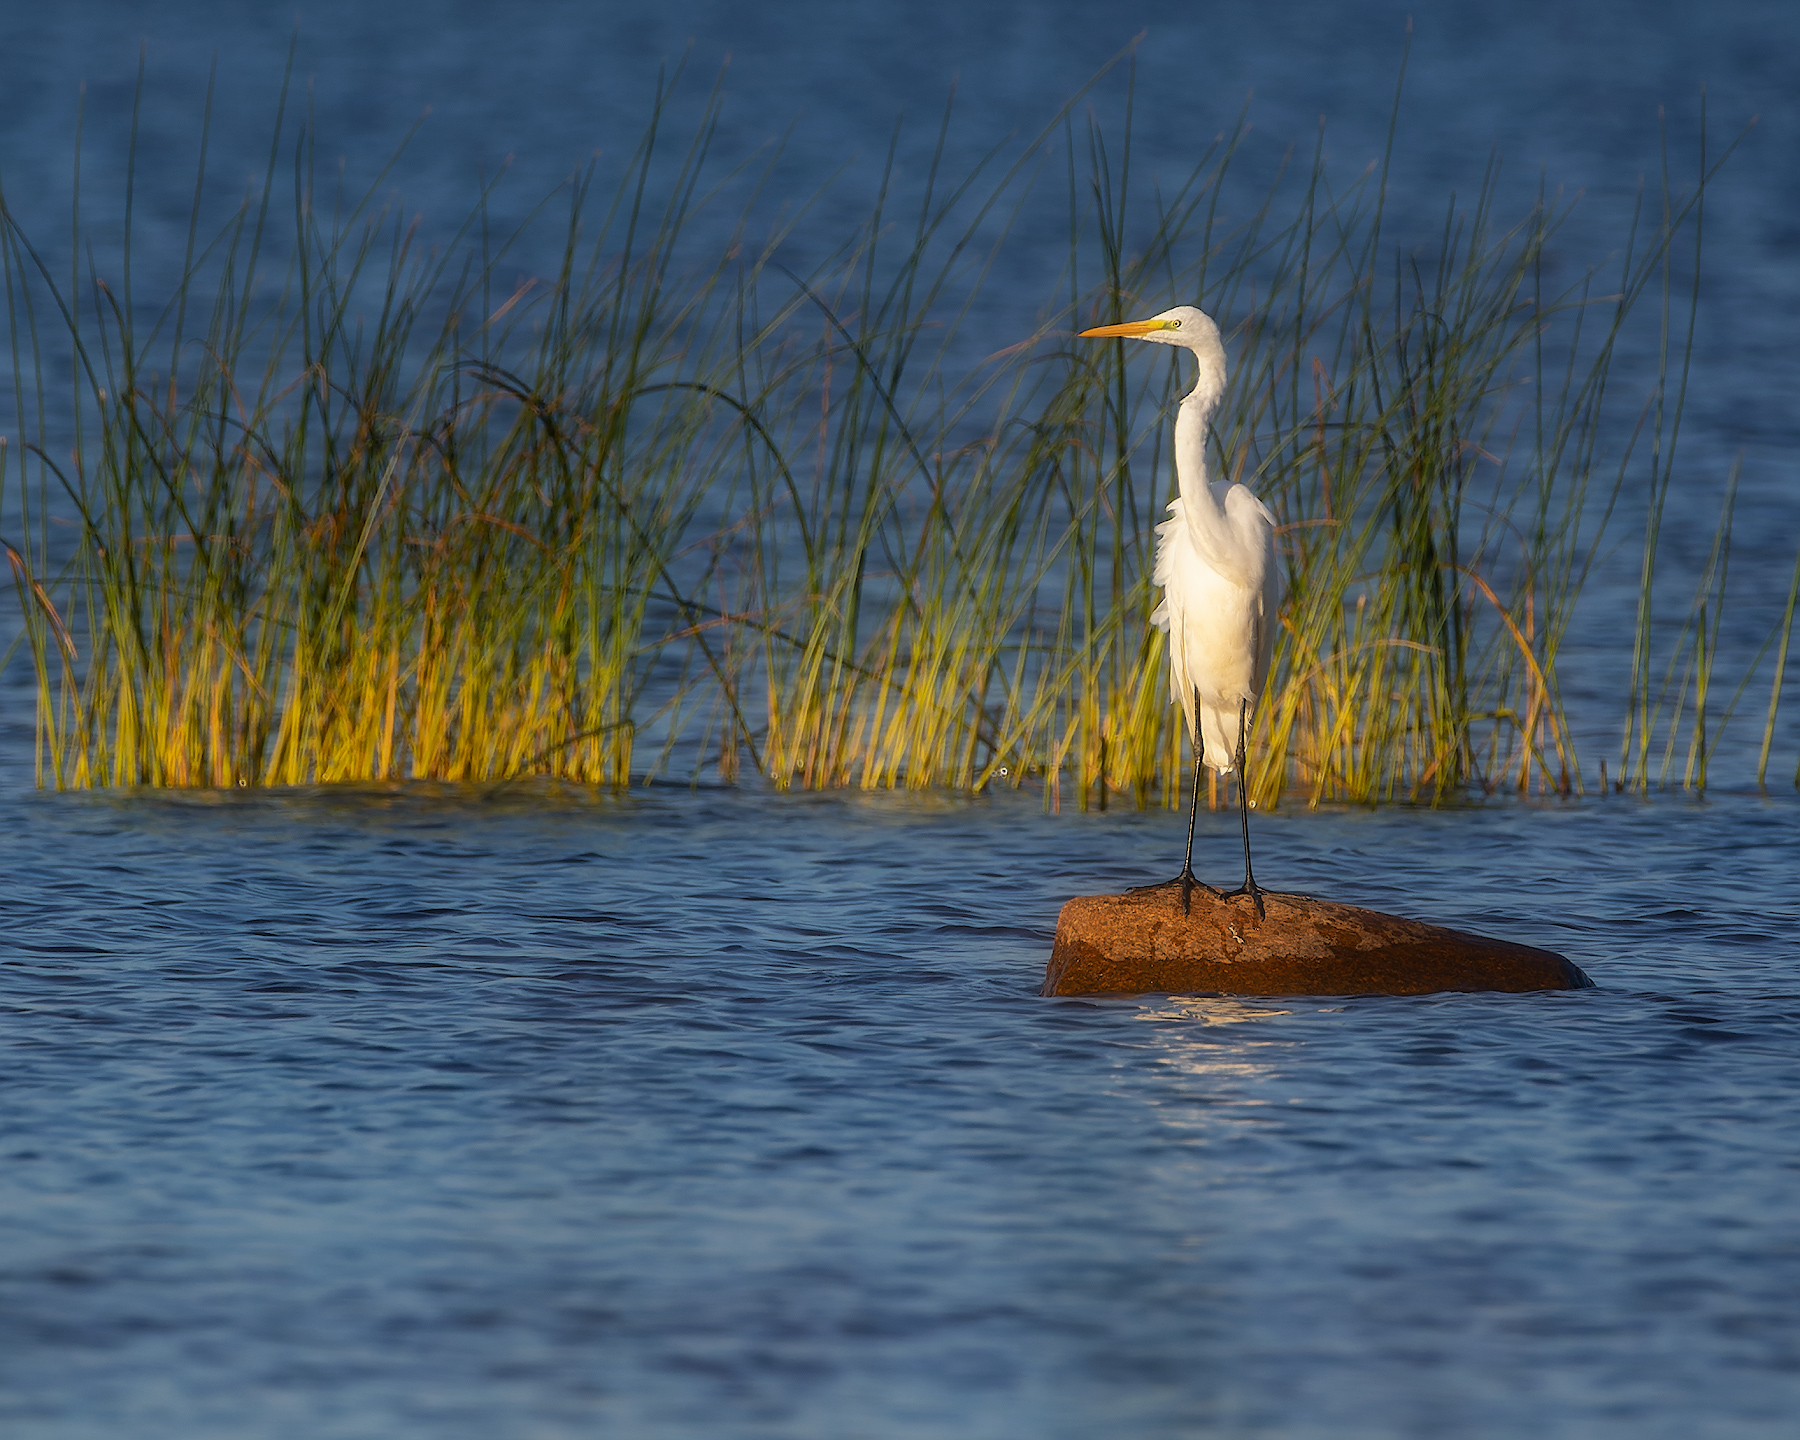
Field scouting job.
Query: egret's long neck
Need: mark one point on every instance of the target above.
(1193, 421)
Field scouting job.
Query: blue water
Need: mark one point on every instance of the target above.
(731, 1115)
(535, 1113)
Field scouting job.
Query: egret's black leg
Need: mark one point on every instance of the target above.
(1249, 887)
(1187, 862)
(1188, 881)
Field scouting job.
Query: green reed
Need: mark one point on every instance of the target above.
(349, 508)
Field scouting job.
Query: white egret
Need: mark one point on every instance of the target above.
(1215, 561)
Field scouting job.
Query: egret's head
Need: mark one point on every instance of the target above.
(1184, 325)
(1192, 329)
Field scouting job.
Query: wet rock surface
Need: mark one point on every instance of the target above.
(1141, 943)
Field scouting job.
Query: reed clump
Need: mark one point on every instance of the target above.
(346, 507)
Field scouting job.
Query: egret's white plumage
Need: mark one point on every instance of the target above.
(1215, 561)
(1215, 555)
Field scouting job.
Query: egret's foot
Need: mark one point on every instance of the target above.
(1187, 880)
(1254, 891)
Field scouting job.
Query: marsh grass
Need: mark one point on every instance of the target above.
(346, 507)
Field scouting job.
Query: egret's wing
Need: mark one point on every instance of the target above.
(1167, 537)
(1233, 537)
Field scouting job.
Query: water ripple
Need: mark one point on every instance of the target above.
(407, 1112)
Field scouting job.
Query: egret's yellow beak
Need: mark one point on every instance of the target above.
(1130, 327)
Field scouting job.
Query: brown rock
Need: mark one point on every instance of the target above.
(1141, 943)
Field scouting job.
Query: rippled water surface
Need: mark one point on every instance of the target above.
(734, 1115)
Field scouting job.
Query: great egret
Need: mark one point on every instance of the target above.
(1215, 560)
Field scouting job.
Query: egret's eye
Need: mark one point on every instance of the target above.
(1173, 324)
